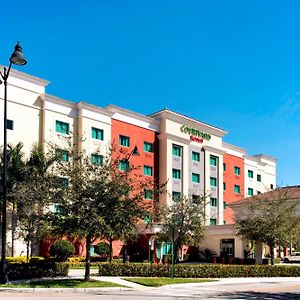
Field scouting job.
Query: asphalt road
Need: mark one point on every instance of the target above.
(278, 288)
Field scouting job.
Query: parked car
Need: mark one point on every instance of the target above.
(292, 257)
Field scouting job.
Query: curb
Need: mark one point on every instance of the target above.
(65, 290)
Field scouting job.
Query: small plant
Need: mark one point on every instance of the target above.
(209, 254)
(103, 250)
(62, 249)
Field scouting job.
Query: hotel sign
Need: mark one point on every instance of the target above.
(195, 134)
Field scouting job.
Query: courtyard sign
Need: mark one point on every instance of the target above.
(195, 134)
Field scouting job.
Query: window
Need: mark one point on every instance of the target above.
(213, 202)
(63, 182)
(196, 199)
(250, 192)
(148, 171)
(148, 194)
(147, 219)
(62, 127)
(224, 186)
(58, 209)
(176, 196)
(62, 155)
(237, 171)
(195, 178)
(224, 205)
(213, 160)
(123, 165)
(97, 133)
(176, 174)
(250, 174)
(148, 147)
(259, 177)
(224, 167)
(213, 181)
(224, 222)
(10, 124)
(237, 189)
(195, 156)
(97, 159)
(124, 141)
(176, 150)
(213, 221)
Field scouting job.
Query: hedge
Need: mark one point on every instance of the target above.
(37, 270)
(198, 271)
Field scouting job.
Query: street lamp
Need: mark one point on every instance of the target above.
(17, 58)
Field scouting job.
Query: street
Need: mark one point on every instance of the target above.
(241, 288)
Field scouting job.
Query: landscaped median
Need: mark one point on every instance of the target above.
(197, 271)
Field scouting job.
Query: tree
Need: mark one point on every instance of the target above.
(187, 216)
(269, 218)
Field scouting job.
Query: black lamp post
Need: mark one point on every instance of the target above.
(17, 58)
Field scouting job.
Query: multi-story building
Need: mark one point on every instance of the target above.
(187, 154)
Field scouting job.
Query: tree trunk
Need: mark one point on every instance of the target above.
(87, 258)
(272, 255)
(27, 251)
(13, 229)
(110, 250)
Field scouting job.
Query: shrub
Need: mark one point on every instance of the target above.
(62, 249)
(102, 249)
(37, 270)
(198, 271)
(208, 254)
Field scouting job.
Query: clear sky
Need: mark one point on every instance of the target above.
(232, 64)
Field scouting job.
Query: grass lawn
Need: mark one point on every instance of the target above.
(64, 283)
(159, 281)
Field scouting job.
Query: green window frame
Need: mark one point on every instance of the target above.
(58, 209)
(250, 174)
(148, 147)
(97, 159)
(237, 189)
(148, 194)
(147, 219)
(224, 205)
(224, 186)
(124, 140)
(176, 150)
(195, 178)
(61, 127)
(62, 155)
(237, 170)
(250, 192)
(213, 160)
(195, 156)
(212, 222)
(224, 167)
(213, 201)
(97, 133)
(123, 165)
(258, 177)
(176, 174)
(176, 196)
(213, 181)
(148, 171)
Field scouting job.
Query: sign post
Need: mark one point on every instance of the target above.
(173, 236)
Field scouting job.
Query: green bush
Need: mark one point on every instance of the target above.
(37, 270)
(198, 271)
(102, 249)
(62, 249)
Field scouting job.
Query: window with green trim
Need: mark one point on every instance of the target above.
(224, 205)
(176, 150)
(213, 160)
(62, 155)
(176, 174)
(148, 194)
(148, 171)
(147, 219)
(97, 159)
(224, 167)
(195, 156)
(213, 201)
(213, 181)
(58, 209)
(224, 186)
(250, 192)
(195, 178)
(250, 174)
(213, 221)
(123, 165)
(237, 189)
(176, 196)
(259, 177)
(97, 134)
(124, 141)
(224, 222)
(63, 182)
(237, 170)
(61, 127)
(148, 147)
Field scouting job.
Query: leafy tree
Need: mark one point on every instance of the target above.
(187, 216)
(269, 218)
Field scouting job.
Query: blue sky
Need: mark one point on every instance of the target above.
(233, 64)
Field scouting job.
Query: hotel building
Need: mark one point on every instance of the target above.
(187, 154)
